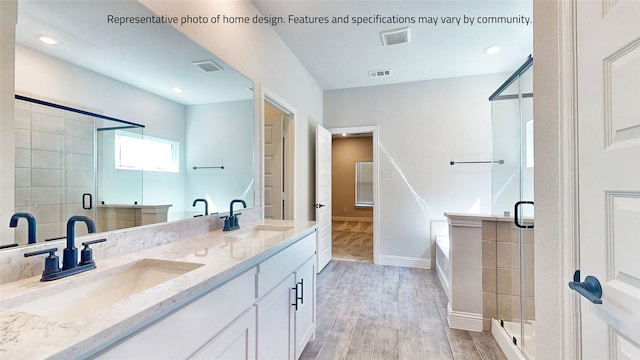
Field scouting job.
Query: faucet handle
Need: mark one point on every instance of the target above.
(86, 255)
(51, 263)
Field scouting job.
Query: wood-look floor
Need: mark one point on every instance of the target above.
(367, 311)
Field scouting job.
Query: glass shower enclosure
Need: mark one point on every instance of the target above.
(512, 199)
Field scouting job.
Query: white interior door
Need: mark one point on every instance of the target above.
(323, 196)
(608, 53)
(273, 162)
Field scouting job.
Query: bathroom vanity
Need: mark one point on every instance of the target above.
(243, 294)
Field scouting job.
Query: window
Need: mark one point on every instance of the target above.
(364, 183)
(138, 152)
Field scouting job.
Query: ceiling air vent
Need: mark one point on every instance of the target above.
(379, 73)
(207, 65)
(396, 36)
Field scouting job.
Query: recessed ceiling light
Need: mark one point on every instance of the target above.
(177, 90)
(48, 40)
(344, 134)
(492, 50)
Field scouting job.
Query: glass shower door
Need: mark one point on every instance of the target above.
(512, 183)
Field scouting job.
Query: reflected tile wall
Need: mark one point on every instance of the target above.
(54, 160)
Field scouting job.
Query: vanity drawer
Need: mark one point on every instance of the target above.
(274, 269)
(180, 334)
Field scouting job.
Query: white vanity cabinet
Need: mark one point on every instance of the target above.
(267, 312)
(182, 333)
(236, 342)
(286, 311)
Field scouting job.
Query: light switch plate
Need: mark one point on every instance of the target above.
(387, 175)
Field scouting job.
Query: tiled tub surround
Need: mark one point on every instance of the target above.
(14, 266)
(501, 272)
(484, 260)
(28, 336)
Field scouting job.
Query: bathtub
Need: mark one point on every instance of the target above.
(442, 263)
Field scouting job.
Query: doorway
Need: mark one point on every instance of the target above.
(278, 156)
(353, 194)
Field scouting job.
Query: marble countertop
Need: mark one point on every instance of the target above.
(223, 255)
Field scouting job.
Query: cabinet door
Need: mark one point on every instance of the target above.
(236, 342)
(275, 322)
(305, 315)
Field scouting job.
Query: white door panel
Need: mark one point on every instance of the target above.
(323, 195)
(608, 53)
(273, 162)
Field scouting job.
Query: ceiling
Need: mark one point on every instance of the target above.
(341, 55)
(155, 58)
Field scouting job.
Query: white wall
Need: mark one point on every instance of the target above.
(47, 78)
(553, 227)
(423, 126)
(220, 134)
(258, 53)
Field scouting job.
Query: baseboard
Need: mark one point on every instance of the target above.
(505, 343)
(349, 218)
(402, 261)
(464, 320)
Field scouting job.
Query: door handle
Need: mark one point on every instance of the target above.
(516, 216)
(318, 205)
(589, 288)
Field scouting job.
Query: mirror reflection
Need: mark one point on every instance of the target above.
(188, 130)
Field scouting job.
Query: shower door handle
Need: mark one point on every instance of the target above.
(87, 201)
(516, 216)
(590, 288)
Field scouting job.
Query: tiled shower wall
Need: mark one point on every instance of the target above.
(54, 167)
(501, 272)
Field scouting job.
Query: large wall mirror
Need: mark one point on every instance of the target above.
(187, 131)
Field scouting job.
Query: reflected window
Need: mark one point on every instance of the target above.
(141, 152)
(529, 143)
(364, 183)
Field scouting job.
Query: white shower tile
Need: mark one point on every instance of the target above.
(22, 119)
(81, 127)
(23, 196)
(52, 230)
(23, 177)
(77, 178)
(47, 195)
(47, 213)
(47, 141)
(47, 123)
(79, 162)
(44, 159)
(22, 105)
(23, 139)
(23, 158)
(78, 145)
(47, 177)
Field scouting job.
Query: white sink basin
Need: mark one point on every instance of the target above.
(90, 294)
(260, 232)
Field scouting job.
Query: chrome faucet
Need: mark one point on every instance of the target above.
(70, 263)
(31, 224)
(231, 221)
(206, 206)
